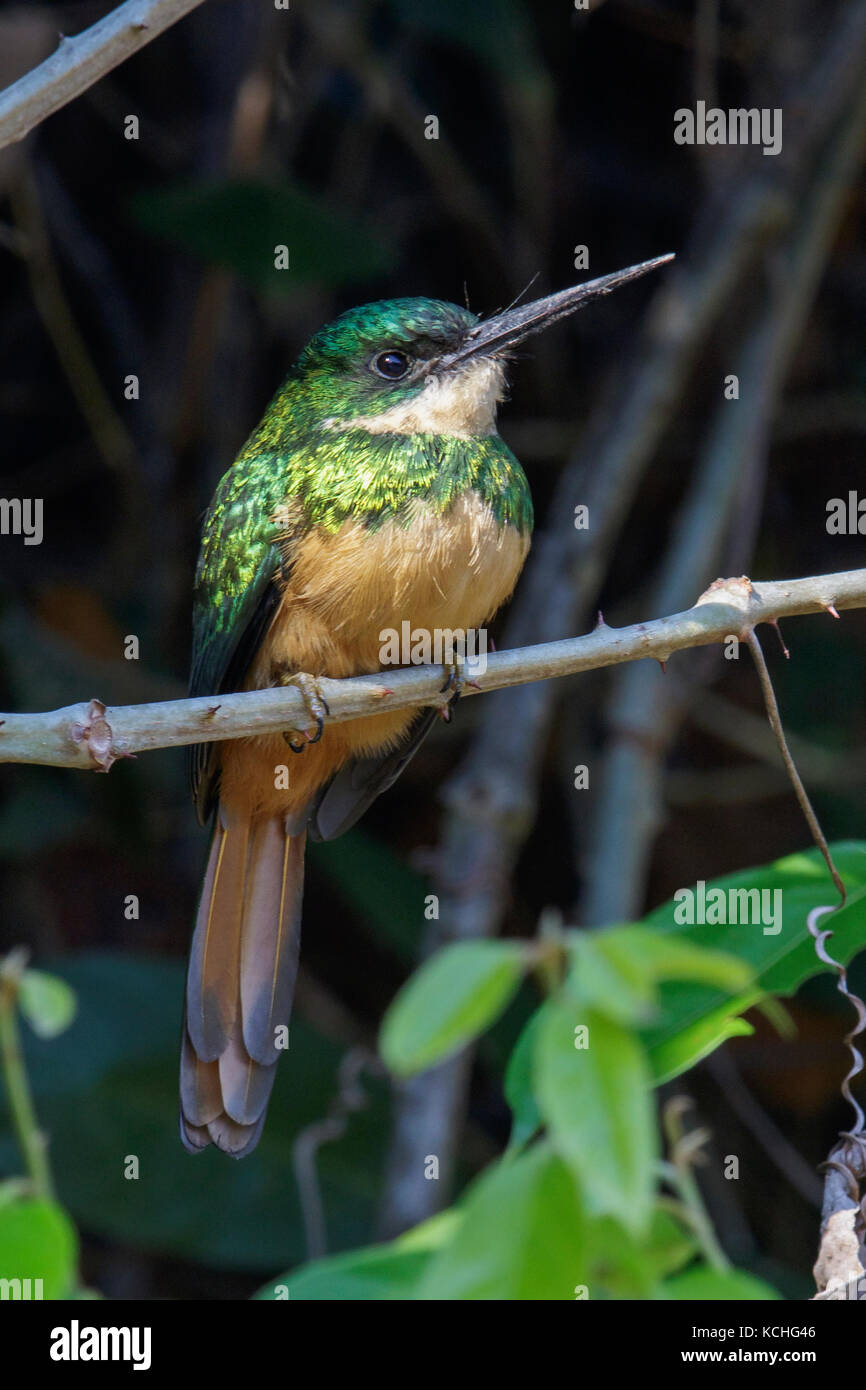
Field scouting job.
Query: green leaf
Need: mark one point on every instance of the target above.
(368, 1275)
(695, 1042)
(607, 976)
(780, 961)
(617, 970)
(450, 1000)
(46, 1002)
(376, 1273)
(521, 1236)
(240, 222)
(38, 1241)
(669, 1244)
(518, 1086)
(670, 958)
(625, 1266)
(597, 1103)
(705, 1283)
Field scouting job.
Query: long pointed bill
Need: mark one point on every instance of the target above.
(503, 331)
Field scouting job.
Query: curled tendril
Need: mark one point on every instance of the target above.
(820, 937)
(848, 1159)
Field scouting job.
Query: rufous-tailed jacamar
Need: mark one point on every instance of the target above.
(375, 490)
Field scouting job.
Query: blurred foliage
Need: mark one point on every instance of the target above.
(111, 1092)
(240, 225)
(577, 1213)
(38, 1241)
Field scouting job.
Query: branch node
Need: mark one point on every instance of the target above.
(98, 736)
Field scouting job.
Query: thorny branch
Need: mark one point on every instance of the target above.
(94, 736)
(80, 61)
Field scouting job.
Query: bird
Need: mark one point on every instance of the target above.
(376, 489)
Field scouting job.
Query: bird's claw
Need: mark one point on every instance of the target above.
(317, 708)
(454, 686)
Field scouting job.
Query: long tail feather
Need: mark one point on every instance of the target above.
(242, 970)
(211, 1006)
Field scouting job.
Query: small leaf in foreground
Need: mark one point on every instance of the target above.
(453, 997)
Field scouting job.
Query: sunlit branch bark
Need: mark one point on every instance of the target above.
(89, 735)
(80, 61)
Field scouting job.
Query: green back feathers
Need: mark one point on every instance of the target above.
(296, 458)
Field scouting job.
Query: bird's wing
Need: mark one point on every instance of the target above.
(343, 801)
(244, 551)
(236, 593)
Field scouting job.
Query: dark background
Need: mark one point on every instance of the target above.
(154, 257)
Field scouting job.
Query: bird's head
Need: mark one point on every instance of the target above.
(423, 366)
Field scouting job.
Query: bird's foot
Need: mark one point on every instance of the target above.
(455, 684)
(317, 708)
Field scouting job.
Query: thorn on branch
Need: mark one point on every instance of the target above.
(774, 623)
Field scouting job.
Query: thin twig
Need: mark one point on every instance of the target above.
(350, 1098)
(80, 61)
(108, 429)
(685, 1152)
(30, 1138)
(796, 780)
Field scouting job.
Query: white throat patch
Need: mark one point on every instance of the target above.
(461, 403)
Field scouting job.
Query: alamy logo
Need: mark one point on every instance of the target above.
(738, 126)
(77, 1343)
(444, 646)
(22, 516)
(846, 516)
(729, 907)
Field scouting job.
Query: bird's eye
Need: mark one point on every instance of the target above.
(392, 364)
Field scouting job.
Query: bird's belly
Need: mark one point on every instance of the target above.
(347, 591)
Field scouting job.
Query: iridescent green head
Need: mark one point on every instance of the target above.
(376, 363)
(422, 366)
